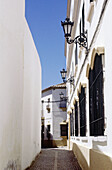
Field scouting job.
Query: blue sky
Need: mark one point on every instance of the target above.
(44, 19)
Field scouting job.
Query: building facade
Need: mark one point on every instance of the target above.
(54, 115)
(89, 107)
(20, 89)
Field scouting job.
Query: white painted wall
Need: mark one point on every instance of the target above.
(31, 133)
(103, 39)
(11, 78)
(20, 77)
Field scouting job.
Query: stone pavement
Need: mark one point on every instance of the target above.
(55, 159)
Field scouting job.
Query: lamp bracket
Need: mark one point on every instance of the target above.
(70, 80)
(80, 39)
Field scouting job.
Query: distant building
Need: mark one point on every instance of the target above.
(90, 100)
(54, 115)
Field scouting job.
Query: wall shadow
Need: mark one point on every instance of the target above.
(48, 143)
(92, 158)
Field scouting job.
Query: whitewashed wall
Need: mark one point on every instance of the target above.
(20, 74)
(31, 132)
(102, 39)
(11, 81)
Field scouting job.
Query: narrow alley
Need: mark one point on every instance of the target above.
(55, 85)
(55, 159)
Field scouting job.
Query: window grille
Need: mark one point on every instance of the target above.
(48, 131)
(82, 108)
(83, 19)
(71, 124)
(42, 131)
(64, 130)
(80, 26)
(96, 101)
(76, 119)
(76, 56)
(82, 22)
(48, 106)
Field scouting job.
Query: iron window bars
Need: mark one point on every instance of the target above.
(96, 98)
(82, 108)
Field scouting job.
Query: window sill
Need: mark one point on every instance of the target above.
(87, 138)
(98, 138)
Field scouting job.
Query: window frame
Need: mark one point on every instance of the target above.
(82, 109)
(65, 131)
(96, 98)
(76, 118)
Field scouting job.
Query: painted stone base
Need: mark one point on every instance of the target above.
(90, 159)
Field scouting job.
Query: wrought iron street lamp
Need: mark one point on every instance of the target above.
(80, 39)
(67, 27)
(63, 75)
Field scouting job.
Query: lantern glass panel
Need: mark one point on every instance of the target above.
(63, 75)
(69, 29)
(65, 29)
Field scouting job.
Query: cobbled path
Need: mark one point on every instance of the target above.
(55, 159)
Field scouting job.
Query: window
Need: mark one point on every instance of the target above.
(48, 131)
(48, 106)
(82, 108)
(72, 124)
(42, 131)
(71, 121)
(96, 101)
(82, 22)
(64, 130)
(71, 86)
(80, 28)
(76, 119)
(42, 111)
(76, 59)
